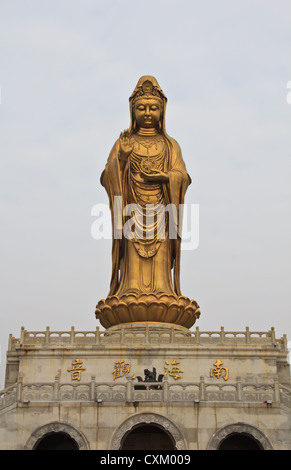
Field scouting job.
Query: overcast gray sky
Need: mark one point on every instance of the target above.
(67, 69)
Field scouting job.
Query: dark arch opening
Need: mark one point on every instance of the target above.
(56, 441)
(240, 441)
(147, 437)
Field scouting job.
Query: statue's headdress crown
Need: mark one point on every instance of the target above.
(148, 89)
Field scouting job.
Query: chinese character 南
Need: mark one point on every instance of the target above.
(175, 371)
(219, 371)
(76, 369)
(121, 368)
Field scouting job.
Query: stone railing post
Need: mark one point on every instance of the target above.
(92, 387)
(122, 337)
(19, 388)
(248, 336)
(129, 390)
(56, 387)
(276, 390)
(222, 335)
(273, 336)
(10, 342)
(202, 388)
(172, 336)
(97, 335)
(22, 332)
(72, 338)
(47, 335)
(238, 389)
(165, 388)
(197, 335)
(285, 343)
(147, 334)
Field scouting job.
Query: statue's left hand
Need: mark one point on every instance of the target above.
(157, 176)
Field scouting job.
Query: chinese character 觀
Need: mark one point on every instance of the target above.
(121, 368)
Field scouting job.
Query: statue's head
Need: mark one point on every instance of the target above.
(147, 105)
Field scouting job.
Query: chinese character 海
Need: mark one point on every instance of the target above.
(218, 370)
(175, 371)
(76, 369)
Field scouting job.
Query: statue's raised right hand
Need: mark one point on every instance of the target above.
(125, 147)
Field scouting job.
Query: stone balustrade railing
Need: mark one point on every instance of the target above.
(136, 392)
(125, 335)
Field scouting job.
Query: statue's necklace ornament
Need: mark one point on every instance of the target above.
(149, 143)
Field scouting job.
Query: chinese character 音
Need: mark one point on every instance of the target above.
(76, 369)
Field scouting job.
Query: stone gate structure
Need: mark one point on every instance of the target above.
(99, 388)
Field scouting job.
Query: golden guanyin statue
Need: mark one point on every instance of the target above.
(146, 179)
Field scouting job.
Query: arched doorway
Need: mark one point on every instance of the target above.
(239, 436)
(56, 441)
(56, 436)
(239, 442)
(153, 428)
(147, 437)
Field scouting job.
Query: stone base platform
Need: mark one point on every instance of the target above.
(104, 389)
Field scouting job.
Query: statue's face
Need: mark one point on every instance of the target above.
(147, 112)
